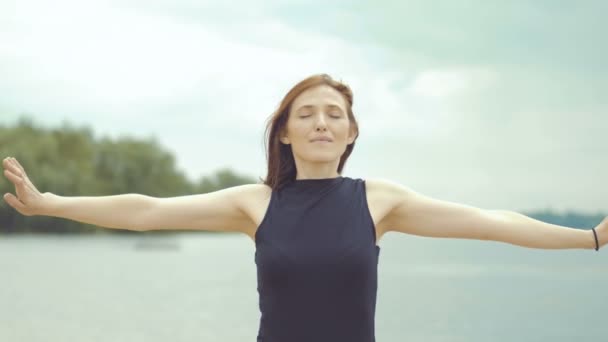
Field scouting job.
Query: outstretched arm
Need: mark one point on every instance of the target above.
(221, 210)
(418, 214)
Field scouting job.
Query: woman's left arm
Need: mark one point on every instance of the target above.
(417, 214)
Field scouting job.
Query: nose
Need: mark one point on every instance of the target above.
(320, 124)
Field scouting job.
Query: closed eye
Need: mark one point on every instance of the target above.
(331, 116)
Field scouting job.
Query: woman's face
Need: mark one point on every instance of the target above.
(318, 112)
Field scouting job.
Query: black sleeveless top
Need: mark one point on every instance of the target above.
(317, 260)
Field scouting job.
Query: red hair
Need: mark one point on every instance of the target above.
(281, 165)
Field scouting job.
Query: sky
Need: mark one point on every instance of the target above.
(494, 104)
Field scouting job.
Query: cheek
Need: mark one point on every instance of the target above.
(344, 130)
(299, 130)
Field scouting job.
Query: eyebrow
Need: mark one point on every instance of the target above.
(327, 106)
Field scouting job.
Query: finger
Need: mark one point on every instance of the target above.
(7, 163)
(18, 166)
(14, 202)
(13, 169)
(13, 177)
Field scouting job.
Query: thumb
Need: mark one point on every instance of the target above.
(14, 202)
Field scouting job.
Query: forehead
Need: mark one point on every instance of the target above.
(322, 95)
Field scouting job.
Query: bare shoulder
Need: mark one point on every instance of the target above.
(253, 201)
(249, 192)
(383, 190)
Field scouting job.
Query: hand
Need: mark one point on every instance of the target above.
(602, 232)
(29, 201)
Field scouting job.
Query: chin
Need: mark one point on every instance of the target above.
(318, 156)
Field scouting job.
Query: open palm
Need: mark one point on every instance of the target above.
(29, 201)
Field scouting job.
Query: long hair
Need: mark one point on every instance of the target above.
(281, 165)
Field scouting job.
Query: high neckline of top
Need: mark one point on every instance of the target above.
(316, 182)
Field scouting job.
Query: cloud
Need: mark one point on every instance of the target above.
(451, 81)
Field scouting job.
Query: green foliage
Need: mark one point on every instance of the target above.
(69, 161)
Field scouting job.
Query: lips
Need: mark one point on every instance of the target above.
(322, 139)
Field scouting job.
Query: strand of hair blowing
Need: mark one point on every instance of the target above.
(281, 165)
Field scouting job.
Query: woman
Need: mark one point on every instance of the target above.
(316, 232)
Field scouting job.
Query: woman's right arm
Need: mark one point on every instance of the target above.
(118, 211)
(221, 210)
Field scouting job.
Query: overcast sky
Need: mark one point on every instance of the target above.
(496, 104)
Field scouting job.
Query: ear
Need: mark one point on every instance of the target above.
(352, 135)
(284, 140)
